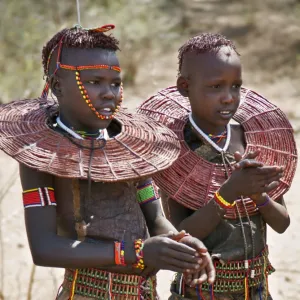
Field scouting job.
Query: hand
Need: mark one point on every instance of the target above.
(207, 270)
(249, 178)
(174, 236)
(248, 162)
(164, 253)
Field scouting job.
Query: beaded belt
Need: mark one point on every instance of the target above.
(98, 284)
(231, 275)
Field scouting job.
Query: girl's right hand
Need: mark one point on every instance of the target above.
(166, 254)
(250, 177)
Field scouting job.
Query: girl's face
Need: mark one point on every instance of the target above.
(212, 82)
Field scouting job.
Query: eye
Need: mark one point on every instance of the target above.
(93, 82)
(116, 84)
(237, 86)
(215, 86)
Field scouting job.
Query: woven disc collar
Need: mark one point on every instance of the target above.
(192, 181)
(142, 148)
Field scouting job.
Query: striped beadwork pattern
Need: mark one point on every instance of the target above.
(39, 197)
(230, 276)
(192, 180)
(94, 283)
(147, 193)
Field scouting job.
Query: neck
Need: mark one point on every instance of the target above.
(78, 127)
(208, 128)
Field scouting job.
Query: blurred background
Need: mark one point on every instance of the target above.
(267, 35)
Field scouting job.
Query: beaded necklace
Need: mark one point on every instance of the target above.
(219, 137)
(208, 139)
(102, 132)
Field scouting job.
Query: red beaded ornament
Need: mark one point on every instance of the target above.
(87, 99)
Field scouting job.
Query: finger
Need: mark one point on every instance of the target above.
(267, 179)
(203, 277)
(238, 156)
(174, 236)
(180, 247)
(211, 274)
(252, 154)
(248, 163)
(271, 186)
(269, 169)
(185, 266)
(210, 270)
(185, 257)
(198, 246)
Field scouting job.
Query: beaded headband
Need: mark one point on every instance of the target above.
(82, 89)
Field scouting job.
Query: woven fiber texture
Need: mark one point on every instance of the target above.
(192, 181)
(142, 148)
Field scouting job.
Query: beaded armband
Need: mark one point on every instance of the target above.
(120, 253)
(222, 202)
(147, 193)
(138, 246)
(39, 197)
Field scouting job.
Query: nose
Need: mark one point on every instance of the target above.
(107, 93)
(227, 97)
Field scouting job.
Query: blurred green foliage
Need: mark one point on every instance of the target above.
(143, 27)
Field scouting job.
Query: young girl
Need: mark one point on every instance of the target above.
(85, 167)
(225, 205)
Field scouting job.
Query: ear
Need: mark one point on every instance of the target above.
(55, 86)
(183, 86)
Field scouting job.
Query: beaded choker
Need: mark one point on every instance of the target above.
(102, 132)
(208, 139)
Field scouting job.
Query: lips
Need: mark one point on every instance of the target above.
(106, 110)
(226, 114)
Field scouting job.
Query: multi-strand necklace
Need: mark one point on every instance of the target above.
(210, 140)
(102, 134)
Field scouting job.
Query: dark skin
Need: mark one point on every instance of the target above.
(212, 82)
(54, 242)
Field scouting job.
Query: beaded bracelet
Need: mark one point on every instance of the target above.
(265, 203)
(222, 202)
(117, 253)
(120, 253)
(138, 246)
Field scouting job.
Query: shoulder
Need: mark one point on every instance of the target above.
(32, 178)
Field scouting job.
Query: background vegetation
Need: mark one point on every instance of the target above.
(267, 33)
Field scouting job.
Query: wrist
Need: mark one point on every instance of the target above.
(226, 193)
(130, 257)
(222, 202)
(262, 201)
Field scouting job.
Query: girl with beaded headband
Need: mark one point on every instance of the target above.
(91, 206)
(213, 191)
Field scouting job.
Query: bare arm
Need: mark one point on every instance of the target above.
(243, 181)
(49, 249)
(275, 214)
(156, 222)
(199, 223)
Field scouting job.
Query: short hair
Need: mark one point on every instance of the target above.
(78, 37)
(203, 43)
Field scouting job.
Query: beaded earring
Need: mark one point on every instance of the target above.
(87, 99)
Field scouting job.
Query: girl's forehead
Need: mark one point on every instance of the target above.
(93, 56)
(210, 63)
